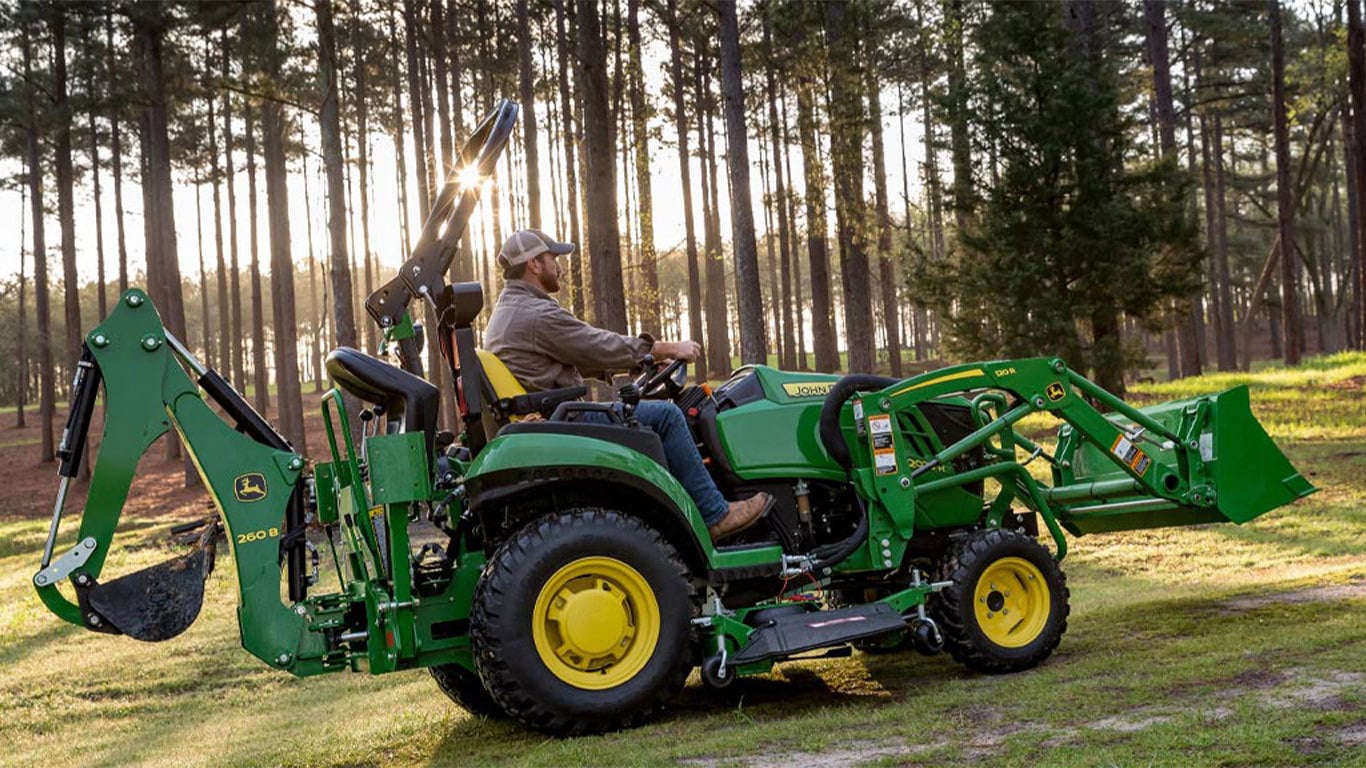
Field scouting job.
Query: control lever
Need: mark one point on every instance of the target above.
(630, 398)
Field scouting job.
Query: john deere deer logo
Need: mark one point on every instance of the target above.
(1055, 391)
(249, 487)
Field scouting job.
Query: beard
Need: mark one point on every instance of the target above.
(550, 283)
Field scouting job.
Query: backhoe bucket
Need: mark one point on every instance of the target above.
(1239, 465)
(159, 602)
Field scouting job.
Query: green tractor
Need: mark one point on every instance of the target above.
(568, 580)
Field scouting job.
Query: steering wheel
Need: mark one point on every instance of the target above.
(424, 273)
(669, 380)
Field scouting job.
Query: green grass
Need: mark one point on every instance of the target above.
(1215, 645)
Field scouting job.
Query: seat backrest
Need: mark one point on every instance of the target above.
(498, 377)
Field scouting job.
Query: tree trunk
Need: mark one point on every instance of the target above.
(846, 159)
(932, 185)
(1154, 14)
(151, 30)
(786, 344)
(919, 313)
(317, 313)
(570, 163)
(649, 268)
(822, 311)
(94, 152)
(66, 207)
(1224, 280)
(239, 368)
(47, 377)
(886, 270)
(526, 85)
(1356, 60)
(959, 143)
(798, 307)
(116, 148)
(719, 332)
(685, 173)
(415, 105)
(206, 334)
(344, 317)
(258, 325)
(1285, 207)
(748, 296)
(363, 170)
(224, 331)
(399, 162)
(443, 106)
(281, 260)
(609, 300)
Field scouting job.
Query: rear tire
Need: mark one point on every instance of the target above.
(581, 623)
(464, 687)
(1007, 608)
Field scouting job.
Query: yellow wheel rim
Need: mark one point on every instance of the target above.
(1012, 602)
(595, 623)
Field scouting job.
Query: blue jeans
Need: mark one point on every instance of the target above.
(685, 464)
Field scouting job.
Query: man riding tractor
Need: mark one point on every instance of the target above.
(545, 347)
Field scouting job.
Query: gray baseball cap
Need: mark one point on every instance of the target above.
(526, 244)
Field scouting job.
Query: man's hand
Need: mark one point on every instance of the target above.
(676, 350)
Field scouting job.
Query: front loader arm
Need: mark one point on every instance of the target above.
(1200, 460)
(250, 473)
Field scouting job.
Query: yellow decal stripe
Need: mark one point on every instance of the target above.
(951, 377)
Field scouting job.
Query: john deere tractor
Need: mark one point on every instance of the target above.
(567, 580)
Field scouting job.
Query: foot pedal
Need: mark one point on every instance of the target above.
(797, 633)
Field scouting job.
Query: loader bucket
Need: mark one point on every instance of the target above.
(1248, 473)
(159, 602)
(1251, 475)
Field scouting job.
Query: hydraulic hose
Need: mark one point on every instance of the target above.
(832, 437)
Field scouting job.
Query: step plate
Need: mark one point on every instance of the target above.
(798, 633)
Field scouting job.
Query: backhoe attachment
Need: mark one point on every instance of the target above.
(248, 469)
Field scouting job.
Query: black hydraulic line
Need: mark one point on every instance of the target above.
(249, 422)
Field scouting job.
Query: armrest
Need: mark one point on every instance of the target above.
(543, 403)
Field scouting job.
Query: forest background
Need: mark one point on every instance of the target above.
(860, 186)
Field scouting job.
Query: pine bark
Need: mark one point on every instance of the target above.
(415, 106)
(609, 300)
(787, 353)
(363, 173)
(66, 206)
(116, 150)
(258, 324)
(1285, 207)
(42, 302)
(886, 269)
(94, 152)
(281, 259)
(526, 77)
(1154, 14)
(714, 269)
(847, 122)
(748, 296)
(215, 170)
(649, 267)
(685, 174)
(822, 311)
(1356, 63)
(344, 317)
(239, 368)
(576, 281)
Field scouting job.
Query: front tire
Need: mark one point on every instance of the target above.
(581, 623)
(465, 688)
(1007, 608)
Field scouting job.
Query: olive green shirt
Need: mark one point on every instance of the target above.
(546, 347)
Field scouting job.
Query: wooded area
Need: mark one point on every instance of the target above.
(1112, 183)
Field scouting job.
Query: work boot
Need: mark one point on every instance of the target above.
(741, 515)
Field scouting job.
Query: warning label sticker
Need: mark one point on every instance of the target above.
(1130, 454)
(884, 447)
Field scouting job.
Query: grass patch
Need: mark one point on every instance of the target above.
(1212, 645)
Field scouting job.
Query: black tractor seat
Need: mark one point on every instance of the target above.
(640, 439)
(378, 382)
